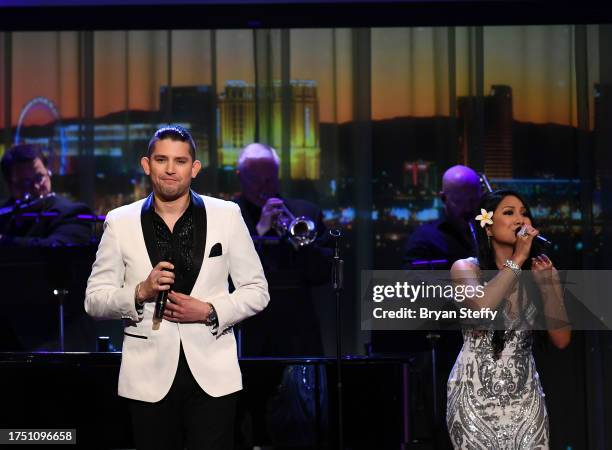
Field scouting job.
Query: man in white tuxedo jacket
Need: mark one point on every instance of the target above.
(180, 371)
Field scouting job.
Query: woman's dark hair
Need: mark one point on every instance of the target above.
(486, 259)
(490, 201)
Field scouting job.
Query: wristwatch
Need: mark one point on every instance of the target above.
(139, 303)
(212, 316)
(513, 266)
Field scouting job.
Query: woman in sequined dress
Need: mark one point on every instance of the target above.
(494, 396)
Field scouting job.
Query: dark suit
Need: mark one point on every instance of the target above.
(61, 229)
(434, 245)
(53, 251)
(439, 243)
(436, 241)
(289, 326)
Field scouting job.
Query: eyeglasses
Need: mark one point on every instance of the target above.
(26, 183)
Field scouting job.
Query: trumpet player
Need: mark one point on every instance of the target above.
(294, 262)
(289, 326)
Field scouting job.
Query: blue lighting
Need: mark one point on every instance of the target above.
(347, 215)
(332, 187)
(328, 215)
(427, 215)
(400, 213)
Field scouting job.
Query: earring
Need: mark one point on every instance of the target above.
(489, 240)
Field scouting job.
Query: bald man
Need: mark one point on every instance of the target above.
(440, 243)
(283, 416)
(436, 245)
(289, 327)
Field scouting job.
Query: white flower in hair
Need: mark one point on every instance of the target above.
(485, 217)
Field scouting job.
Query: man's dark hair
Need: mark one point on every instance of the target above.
(21, 153)
(174, 133)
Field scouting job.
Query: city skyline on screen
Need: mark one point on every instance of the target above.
(409, 69)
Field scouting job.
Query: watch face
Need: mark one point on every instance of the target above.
(212, 316)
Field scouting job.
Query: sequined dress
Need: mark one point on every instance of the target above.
(497, 403)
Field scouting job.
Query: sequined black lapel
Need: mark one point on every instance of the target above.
(199, 237)
(146, 222)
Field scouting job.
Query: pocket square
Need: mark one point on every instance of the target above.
(216, 250)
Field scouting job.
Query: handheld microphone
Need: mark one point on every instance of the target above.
(541, 239)
(162, 297)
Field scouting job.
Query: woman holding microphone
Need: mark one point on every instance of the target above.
(495, 400)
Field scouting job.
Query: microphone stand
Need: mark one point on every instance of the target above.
(433, 337)
(338, 285)
(61, 294)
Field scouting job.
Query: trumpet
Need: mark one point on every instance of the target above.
(27, 204)
(300, 231)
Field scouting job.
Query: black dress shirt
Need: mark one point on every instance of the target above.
(176, 246)
(183, 246)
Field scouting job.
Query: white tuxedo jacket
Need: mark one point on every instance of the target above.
(150, 357)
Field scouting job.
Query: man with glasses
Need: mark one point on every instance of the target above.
(34, 215)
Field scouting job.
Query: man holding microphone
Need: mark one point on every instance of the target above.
(179, 370)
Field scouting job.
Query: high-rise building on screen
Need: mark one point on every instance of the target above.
(237, 118)
(496, 132)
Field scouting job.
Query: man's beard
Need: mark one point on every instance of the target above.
(168, 193)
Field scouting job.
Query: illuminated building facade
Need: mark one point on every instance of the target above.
(237, 118)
